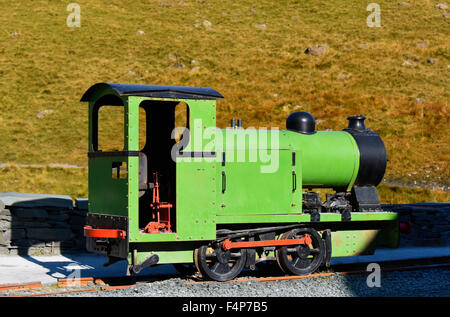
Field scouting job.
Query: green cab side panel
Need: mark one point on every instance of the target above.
(195, 180)
(107, 195)
(196, 200)
(196, 177)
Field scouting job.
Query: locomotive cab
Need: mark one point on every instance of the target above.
(133, 180)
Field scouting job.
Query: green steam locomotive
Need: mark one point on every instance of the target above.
(225, 199)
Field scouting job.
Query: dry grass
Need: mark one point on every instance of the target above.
(49, 180)
(263, 72)
(404, 195)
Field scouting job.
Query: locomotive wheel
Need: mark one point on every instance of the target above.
(219, 265)
(301, 259)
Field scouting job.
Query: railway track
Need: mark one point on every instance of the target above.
(92, 285)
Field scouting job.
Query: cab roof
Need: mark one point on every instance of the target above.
(156, 91)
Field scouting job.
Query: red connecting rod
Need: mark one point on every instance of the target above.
(227, 244)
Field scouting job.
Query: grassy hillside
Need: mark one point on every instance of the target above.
(253, 52)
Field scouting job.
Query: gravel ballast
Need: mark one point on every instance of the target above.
(423, 283)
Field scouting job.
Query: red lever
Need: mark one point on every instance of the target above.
(161, 210)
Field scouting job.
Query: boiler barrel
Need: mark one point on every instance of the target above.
(330, 159)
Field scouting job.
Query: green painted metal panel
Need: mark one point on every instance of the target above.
(330, 158)
(359, 216)
(353, 242)
(369, 216)
(257, 180)
(330, 217)
(305, 218)
(195, 209)
(362, 242)
(196, 200)
(248, 191)
(167, 256)
(196, 177)
(132, 137)
(265, 218)
(106, 194)
(147, 237)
